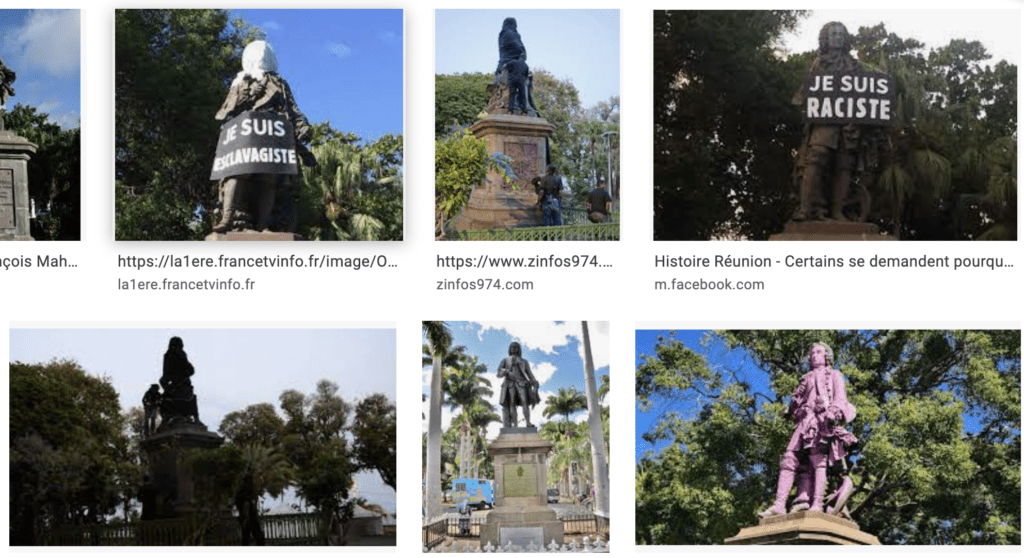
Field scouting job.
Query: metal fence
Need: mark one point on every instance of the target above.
(575, 522)
(589, 231)
(278, 530)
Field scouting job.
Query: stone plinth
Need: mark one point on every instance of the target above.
(15, 211)
(495, 204)
(242, 236)
(830, 230)
(171, 487)
(521, 511)
(805, 527)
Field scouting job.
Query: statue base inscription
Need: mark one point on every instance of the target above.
(15, 211)
(830, 230)
(520, 492)
(805, 527)
(171, 487)
(242, 236)
(495, 204)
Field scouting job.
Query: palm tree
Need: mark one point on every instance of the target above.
(567, 402)
(264, 470)
(597, 454)
(465, 389)
(439, 341)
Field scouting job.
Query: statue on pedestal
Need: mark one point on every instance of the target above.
(519, 389)
(838, 159)
(178, 402)
(819, 441)
(264, 199)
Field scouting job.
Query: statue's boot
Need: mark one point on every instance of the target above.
(803, 492)
(230, 187)
(819, 490)
(812, 205)
(840, 193)
(781, 494)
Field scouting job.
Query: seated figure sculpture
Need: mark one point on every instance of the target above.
(262, 201)
(819, 441)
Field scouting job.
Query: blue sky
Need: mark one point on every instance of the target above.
(342, 65)
(716, 355)
(582, 45)
(553, 349)
(43, 48)
(235, 368)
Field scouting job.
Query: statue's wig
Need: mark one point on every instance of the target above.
(823, 37)
(515, 349)
(830, 357)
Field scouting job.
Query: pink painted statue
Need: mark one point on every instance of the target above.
(819, 441)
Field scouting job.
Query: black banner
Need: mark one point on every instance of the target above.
(255, 143)
(849, 98)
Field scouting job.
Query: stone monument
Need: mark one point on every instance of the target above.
(258, 153)
(170, 485)
(846, 108)
(15, 151)
(513, 127)
(820, 411)
(521, 514)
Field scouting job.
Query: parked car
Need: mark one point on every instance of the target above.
(552, 495)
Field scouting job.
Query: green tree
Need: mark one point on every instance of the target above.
(567, 402)
(459, 100)
(938, 414)
(438, 353)
(461, 163)
(70, 461)
(54, 172)
(172, 72)
(375, 443)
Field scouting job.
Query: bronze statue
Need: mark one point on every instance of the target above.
(835, 158)
(519, 389)
(178, 404)
(7, 78)
(262, 201)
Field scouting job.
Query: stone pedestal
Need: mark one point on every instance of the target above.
(170, 490)
(806, 527)
(830, 230)
(15, 152)
(495, 204)
(242, 236)
(521, 513)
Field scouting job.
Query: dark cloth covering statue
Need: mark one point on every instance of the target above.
(512, 89)
(819, 440)
(7, 77)
(833, 156)
(519, 388)
(178, 404)
(262, 201)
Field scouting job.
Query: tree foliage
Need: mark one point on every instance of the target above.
(54, 172)
(461, 162)
(938, 427)
(375, 444)
(69, 450)
(726, 133)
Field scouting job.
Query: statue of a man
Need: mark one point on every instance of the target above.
(512, 89)
(820, 440)
(7, 77)
(519, 389)
(829, 156)
(151, 404)
(179, 400)
(248, 200)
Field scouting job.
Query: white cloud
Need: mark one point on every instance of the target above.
(50, 40)
(540, 336)
(543, 371)
(340, 50)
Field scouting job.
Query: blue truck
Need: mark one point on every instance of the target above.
(476, 492)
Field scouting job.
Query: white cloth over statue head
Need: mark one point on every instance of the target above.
(258, 57)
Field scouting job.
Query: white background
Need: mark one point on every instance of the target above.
(406, 295)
